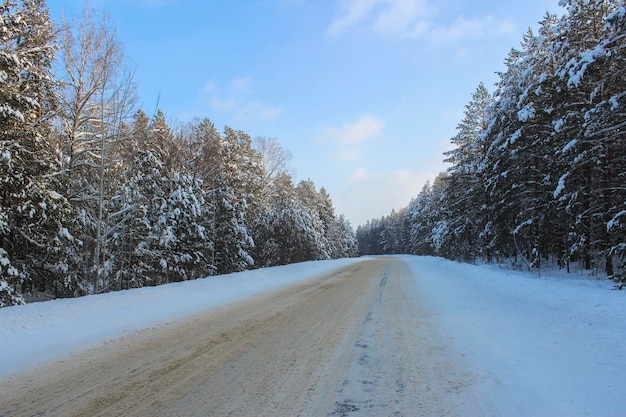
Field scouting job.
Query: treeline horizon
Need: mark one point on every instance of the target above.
(98, 196)
(538, 169)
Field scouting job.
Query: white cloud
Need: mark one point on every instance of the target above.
(359, 131)
(226, 104)
(347, 140)
(402, 17)
(387, 17)
(241, 85)
(257, 110)
(412, 19)
(360, 174)
(354, 11)
(238, 101)
(472, 27)
(401, 176)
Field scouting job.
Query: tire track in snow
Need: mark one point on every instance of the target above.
(354, 342)
(399, 366)
(367, 390)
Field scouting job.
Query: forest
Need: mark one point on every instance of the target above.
(97, 195)
(537, 173)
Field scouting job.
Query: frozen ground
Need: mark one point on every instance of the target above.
(512, 343)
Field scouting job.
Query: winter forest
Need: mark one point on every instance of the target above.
(537, 174)
(96, 195)
(99, 195)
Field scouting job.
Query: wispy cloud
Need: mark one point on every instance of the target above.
(257, 110)
(347, 140)
(411, 19)
(238, 101)
(359, 131)
(352, 13)
(395, 17)
(463, 28)
(403, 18)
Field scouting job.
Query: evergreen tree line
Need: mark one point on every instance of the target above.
(97, 196)
(538, 169)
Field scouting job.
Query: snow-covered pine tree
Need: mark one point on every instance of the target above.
(368, 238)
(520, 161)
(285, 231)
(318, 206)
(602, 126)
(608, 122)
(497, 169)
(141, 202)
(203, 142)
(184, 240)
(228, 231)
(466, 193)
(419, 224)
(240, 167)
(231, 176)
(586, 184)
(342, 238)
(32, 211)
(162, 234)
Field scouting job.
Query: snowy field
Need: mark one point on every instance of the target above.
(549, 346)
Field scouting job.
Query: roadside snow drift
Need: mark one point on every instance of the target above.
(543, 346)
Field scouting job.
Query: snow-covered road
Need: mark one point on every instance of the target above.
(407, 335)
(348, 342)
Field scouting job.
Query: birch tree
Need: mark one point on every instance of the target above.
(97, 97)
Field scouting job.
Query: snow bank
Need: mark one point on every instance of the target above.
(33, 334)
(549, 346)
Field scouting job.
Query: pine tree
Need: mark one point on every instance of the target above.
(466, 192)
(608, 123)
(32, 211)
(285, 234)
(417, 217)
(139, 239)
(586, 183)
(320, 211)
(520, 165)
(229, 232)
(184, 230)
(343, 239)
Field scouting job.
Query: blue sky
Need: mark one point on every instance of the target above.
(365, 94)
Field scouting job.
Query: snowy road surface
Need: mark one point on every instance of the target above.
(352, 342)
(389, 336)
